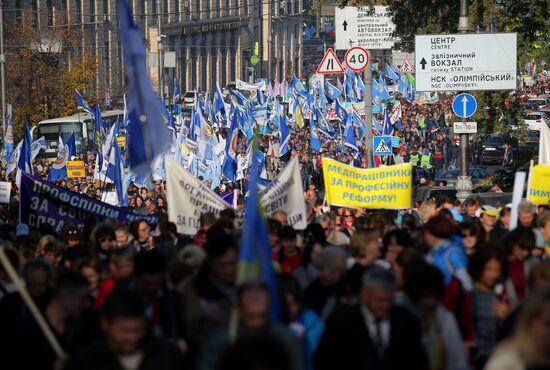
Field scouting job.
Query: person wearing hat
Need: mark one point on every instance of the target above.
(488, 217)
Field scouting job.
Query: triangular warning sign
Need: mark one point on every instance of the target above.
(382, 147)
(330, 64)
(406, 67)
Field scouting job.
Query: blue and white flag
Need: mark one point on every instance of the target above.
(299, 86)
(147, 136)
(349, 134)
(314, 139)
(388, 126)
(323, 126)
(229, 167)
(115, 171)
(219, 104)
(8, 139)
(37, 145)
(409, 93)
(332, 91)
(58, 169)
(390, 73)
(81, 104)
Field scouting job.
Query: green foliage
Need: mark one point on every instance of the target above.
(40, 83)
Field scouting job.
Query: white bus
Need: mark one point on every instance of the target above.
(80, 124)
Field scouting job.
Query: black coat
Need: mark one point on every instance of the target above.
(158, 355)
(346, 344)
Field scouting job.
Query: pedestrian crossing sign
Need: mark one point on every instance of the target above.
(382, 145)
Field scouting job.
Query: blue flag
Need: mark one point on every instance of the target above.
(229, 168)
(285, 136)
(390, 73)
(71, 144)
(241, 100)
(115, 171)
(219, 104)
(349, 134)
(81, 104)
(176, 96)
(299, 86)
(147, 136)
(409, 93)
(58, 169)
(24, 163)
(255, 261)
(387, 125)
(8, 140)
(332, 91)
(314, 139)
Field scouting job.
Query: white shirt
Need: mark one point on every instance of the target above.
(371, 326)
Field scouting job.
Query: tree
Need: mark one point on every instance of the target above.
(42, 71)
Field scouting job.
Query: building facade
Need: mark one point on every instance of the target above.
(202, 42)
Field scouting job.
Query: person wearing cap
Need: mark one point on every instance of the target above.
(22, 230)
(488, 218)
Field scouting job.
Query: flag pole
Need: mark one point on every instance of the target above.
(35, 312)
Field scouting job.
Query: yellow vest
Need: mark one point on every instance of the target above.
(414, 159)
(425, 161)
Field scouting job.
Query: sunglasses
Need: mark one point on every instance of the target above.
(102, 240)
(72, 232)
(471, 233)
(348, 216)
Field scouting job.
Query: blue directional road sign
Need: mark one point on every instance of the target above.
(382, 145)
(464, 105)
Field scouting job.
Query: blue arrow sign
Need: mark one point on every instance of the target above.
(464, 105)
(382, 145)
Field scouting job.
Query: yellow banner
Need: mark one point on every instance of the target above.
(382, 188)
(76, 169)
(539, 193)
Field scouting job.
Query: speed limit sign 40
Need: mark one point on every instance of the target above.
(357, 59)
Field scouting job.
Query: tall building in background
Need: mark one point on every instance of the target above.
(202, 41)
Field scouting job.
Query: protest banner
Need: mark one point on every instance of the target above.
(188, 198)
(5, 192)
(381, 188)
(539, 192)
(76, 169)
(43, 202)
(285, 193)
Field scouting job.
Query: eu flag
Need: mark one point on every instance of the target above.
(148, 136)
(255, 261)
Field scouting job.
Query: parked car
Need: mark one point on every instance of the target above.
(493, 149)
(189, 98)
(435, 192)
(450, 177)
(535, 120)
(541, 102)
(497, 200)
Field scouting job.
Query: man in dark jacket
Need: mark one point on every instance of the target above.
(124, 344)
(374, 334)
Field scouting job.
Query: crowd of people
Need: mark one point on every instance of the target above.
(441, 286)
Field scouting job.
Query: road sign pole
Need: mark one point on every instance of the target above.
(464, 181)
(367, 79)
